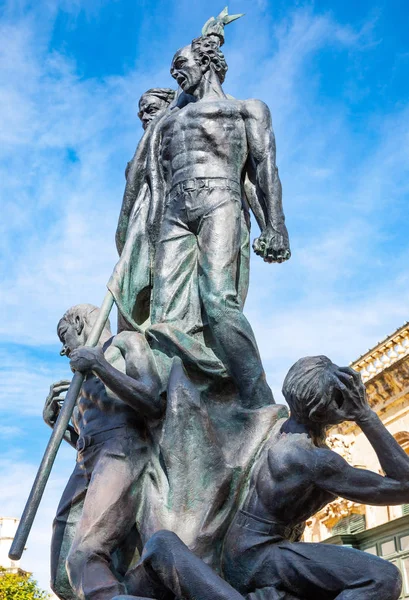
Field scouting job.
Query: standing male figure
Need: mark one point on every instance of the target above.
(151, 104)
(132, 285)
(208, 149)
(119, 399)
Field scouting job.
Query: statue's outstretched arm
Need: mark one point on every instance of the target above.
(335, 475)
(142, 390)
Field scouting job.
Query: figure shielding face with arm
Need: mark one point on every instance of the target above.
(298, 476)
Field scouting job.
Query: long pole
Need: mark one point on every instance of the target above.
(60, 427)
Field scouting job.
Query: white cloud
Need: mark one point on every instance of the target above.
(26, 380)
(59, 216)
(9, 431)
(341, 330)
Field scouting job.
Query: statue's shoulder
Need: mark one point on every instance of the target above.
(291, 451)
(124, 339)
(255, 108)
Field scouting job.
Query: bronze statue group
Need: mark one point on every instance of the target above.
(190, 482)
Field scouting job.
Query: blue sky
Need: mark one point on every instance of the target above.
(336, 77)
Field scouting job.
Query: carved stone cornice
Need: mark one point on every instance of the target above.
(385, 372)
(384, 355)
(340, 508)
(341, 445)
(389, 385)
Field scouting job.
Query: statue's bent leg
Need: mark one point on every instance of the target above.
(170, 563)
(310, 570)
(108, 516)
(219, 240)
(64, 525)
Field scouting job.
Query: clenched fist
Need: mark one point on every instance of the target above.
(85, 359)
(273, 244)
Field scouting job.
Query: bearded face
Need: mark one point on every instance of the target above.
(149, 107)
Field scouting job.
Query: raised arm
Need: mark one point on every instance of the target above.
(335, 475)
(52, 407)
(273, 243)
(140, 387)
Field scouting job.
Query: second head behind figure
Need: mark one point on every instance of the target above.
(153, 102)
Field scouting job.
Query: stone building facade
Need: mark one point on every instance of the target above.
(380, 530)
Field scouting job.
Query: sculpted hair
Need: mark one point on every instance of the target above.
(210, 46)
(306, 384)
(88, 312)
(165, 94)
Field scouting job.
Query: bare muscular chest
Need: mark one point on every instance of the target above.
(97, 403)
(207, 126)
(287, 491)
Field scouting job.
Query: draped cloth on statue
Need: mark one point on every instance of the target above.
(131, 279)
(205, 451)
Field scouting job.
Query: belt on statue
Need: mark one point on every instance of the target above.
(202, 183)
(84, 441)
(256, 524)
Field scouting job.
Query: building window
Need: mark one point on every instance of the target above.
(396, 551)
(404, 543)
(388, 548)
(405, 576)
(349, 525)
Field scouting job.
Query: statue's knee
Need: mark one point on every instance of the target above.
(162, 539)
(389, 581)
(384, 578)
(160, 546)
